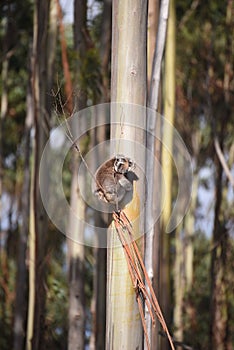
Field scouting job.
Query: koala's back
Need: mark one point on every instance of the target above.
(105, 173)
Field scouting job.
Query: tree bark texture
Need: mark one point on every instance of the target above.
(128, 85)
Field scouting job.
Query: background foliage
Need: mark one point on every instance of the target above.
(204, 111)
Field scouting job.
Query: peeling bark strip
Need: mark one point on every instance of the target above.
(139, 277)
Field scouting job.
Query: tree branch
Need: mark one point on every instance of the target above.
(223, 161)
(158, 54)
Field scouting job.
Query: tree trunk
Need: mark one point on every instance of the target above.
(76, 331)
(105, 49)
(80, 46)
(4, 94)
(76, 265)
(98, 336)
(155, 258)
(32, 261)
(152, 261)
(42, 69)
(3, 114)
(22, 277)
(219, 298)
(189, 229)
(183, 265)
(128, 85)
(179, 286)
(219, 310)
(97, 339)
(153, 16)
(65, 64)
(169, 112)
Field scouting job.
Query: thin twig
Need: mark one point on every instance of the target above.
(223, 161)
(188, 13)
(69, 135)
(158, 54)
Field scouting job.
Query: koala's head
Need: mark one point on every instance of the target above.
(122, 164)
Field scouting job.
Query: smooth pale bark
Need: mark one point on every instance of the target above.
(32, 224)
(124, 330)
(32, 261)
(179, 286)
(183, 265)
(76, 313)
(189, 229)
(158, 54)
(155, 259)
(169, 114)
(153, 17)
(153, 232)
(75, 229)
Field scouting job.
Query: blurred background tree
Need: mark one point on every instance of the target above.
(202, 249)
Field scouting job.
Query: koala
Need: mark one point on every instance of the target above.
(113, 180)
